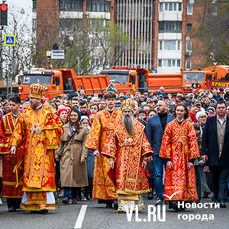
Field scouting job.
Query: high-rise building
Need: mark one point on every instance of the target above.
(159, 30)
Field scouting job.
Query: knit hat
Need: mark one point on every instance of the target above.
(60, 111)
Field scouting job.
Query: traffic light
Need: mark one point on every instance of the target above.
(3, 14)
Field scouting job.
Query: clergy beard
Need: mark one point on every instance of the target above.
(128, 122)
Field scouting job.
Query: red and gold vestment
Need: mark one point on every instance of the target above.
(40, 132)
(10, 188)
(129, 152)
(102, 127)
(179, 144)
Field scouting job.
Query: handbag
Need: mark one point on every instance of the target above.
(60, 153)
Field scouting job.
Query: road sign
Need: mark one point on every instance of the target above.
(9, 40)
(57, 54)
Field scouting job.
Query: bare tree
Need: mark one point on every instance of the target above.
(212, 33)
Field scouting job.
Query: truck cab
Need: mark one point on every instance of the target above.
(51, 79)
(128, 79)
(196, 79)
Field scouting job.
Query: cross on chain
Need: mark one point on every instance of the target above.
(37, 129)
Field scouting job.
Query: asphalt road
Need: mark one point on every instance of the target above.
(89, 214)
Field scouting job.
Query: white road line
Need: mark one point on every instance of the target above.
(81, 215)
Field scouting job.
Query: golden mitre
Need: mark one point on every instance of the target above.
(128, 104)
(37, 91)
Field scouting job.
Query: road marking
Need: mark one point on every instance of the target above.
(81, 215)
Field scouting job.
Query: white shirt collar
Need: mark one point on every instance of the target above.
(39, 107)
(221, 120)
(15, 115)
(180, 121)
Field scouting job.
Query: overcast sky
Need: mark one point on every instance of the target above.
(21, 3)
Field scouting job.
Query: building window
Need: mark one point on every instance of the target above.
(166, 6)
(71, 5)
(170, 26)
(161, 6)
(164, 63)
(160, 45)
(174, 6)
(34, 24)
(188, 64)
(147, 11)
(97, 6)
(189, 9)
(107, 7)
(178, 63)
(188, 46)
(178, 45)
(169, 45)
(179, 6)
(174, 63)
(170, 7)
(169, 63)
(189, 28)
(34, 5)
(159, 63)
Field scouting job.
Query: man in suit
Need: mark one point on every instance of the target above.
(154, 132)
(215, 147)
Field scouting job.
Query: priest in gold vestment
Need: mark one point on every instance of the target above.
(102, 127)
(40, 130)
(130, 149)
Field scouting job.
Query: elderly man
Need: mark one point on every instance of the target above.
(129, 147)
(161, 92)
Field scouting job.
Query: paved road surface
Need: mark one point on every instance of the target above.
(98, 217)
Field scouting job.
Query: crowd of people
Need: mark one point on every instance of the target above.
(114, 148)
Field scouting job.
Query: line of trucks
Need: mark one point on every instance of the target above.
(126, 79)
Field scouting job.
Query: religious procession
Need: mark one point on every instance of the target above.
(119, 149)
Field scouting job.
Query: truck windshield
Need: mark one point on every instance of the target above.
(194, 76)
(121, 79)
(41, 79)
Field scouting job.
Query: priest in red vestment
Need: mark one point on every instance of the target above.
(179, 148)
(129, 148)
(11, 186)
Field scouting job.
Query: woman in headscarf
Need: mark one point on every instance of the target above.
(63, 114)
(72, 154)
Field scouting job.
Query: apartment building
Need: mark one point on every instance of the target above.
(159, 30)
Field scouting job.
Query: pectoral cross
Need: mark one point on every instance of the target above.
(37, 129)
(129, 140)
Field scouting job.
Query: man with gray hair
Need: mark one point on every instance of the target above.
(129, 147)
(161, 92)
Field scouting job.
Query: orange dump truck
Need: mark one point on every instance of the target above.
(198, 79)
(61, 81)
(140, 80)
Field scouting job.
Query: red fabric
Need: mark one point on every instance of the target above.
(193, 117)
(68, 105)
(61, 110)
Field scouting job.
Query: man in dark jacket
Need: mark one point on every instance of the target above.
(154, 132)
(215, 147)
